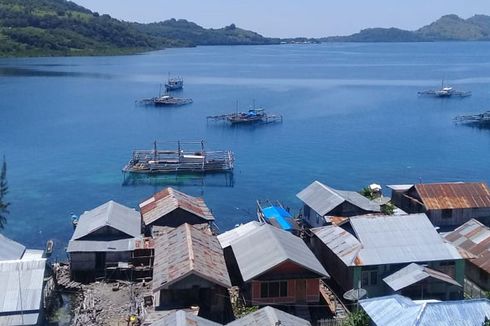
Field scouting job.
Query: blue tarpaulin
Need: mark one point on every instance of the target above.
(280, 215)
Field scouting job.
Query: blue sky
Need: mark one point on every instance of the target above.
(286, 18)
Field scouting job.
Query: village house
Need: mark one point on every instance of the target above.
(474, 238)
(172, 208)
(376, 252)
(190, 270)
(271, 266)
(23, 286)
(446, 204)
(103, 242)
(401, 311)
(322, 202)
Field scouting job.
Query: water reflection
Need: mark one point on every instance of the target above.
(26, 72)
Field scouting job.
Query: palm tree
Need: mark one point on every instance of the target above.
(3, 191)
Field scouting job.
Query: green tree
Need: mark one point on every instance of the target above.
(3, 191)
(357, 318)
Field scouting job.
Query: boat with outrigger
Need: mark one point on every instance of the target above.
(184, 157)
(252, 116)
(482, 119)
(165, 100)
(445, 91)
(274, 213)
(174, 83)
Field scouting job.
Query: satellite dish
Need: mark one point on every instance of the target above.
(355, 294)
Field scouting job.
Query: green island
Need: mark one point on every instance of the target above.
(446, 28)
(63, 28)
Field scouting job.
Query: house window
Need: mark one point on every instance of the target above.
(274, 289)
(374, 277)
(447, 213)
(369, 277)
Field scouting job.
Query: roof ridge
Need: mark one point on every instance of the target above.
(271, 313)
(419, 315)
(189, 245)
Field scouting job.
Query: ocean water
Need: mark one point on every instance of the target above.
(351, 117)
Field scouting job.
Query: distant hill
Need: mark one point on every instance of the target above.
(446, 28)
(59, 27)
(193, 34)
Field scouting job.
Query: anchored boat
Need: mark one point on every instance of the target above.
(252, 116)
(185, 157)
(166, 100)
(475, 119)
(445, 91)
(174, 84)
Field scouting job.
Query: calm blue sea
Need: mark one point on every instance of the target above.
(351, 117)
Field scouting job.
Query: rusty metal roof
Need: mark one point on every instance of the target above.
(168, 200)
(188, 250)
(473, 237)
(454, 195)
(342, 243)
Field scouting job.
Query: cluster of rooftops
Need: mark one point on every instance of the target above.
(341, 238)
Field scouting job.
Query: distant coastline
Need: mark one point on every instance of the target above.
(62, 28)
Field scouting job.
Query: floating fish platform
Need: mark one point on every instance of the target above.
(185, 157)
(251, 117)
(481, 119)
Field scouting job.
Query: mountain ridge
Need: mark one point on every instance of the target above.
(447, 28)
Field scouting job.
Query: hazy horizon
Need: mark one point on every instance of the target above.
(314, 18)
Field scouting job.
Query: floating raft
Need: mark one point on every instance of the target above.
(445, 92)
(180, 159)
(251, 117)
(166, 100)
(482, 118)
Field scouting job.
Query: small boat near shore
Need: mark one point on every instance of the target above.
(185, 157)
(276, 215)
(445, 91)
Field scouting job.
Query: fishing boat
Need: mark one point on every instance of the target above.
(276, 215)
(445, 91)
(482, 119)
(166, 100)
(49, 248)
(185, 157)
(252, 116)
(174, 84)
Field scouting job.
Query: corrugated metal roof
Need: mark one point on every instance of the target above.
(21, 288)
(323, 199)
(101, 246)
(400, 239)
(340, 242)
(454, 195)
(450, 313)
(168, 200)
(111, 214)
(391, 310)
(188, 250)
(414, 273)
(398, 310)
(9, 249)
(473, 237)
(266, 247)
(226, 238)
(400, 187)
(183, 318)
(269, 316)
